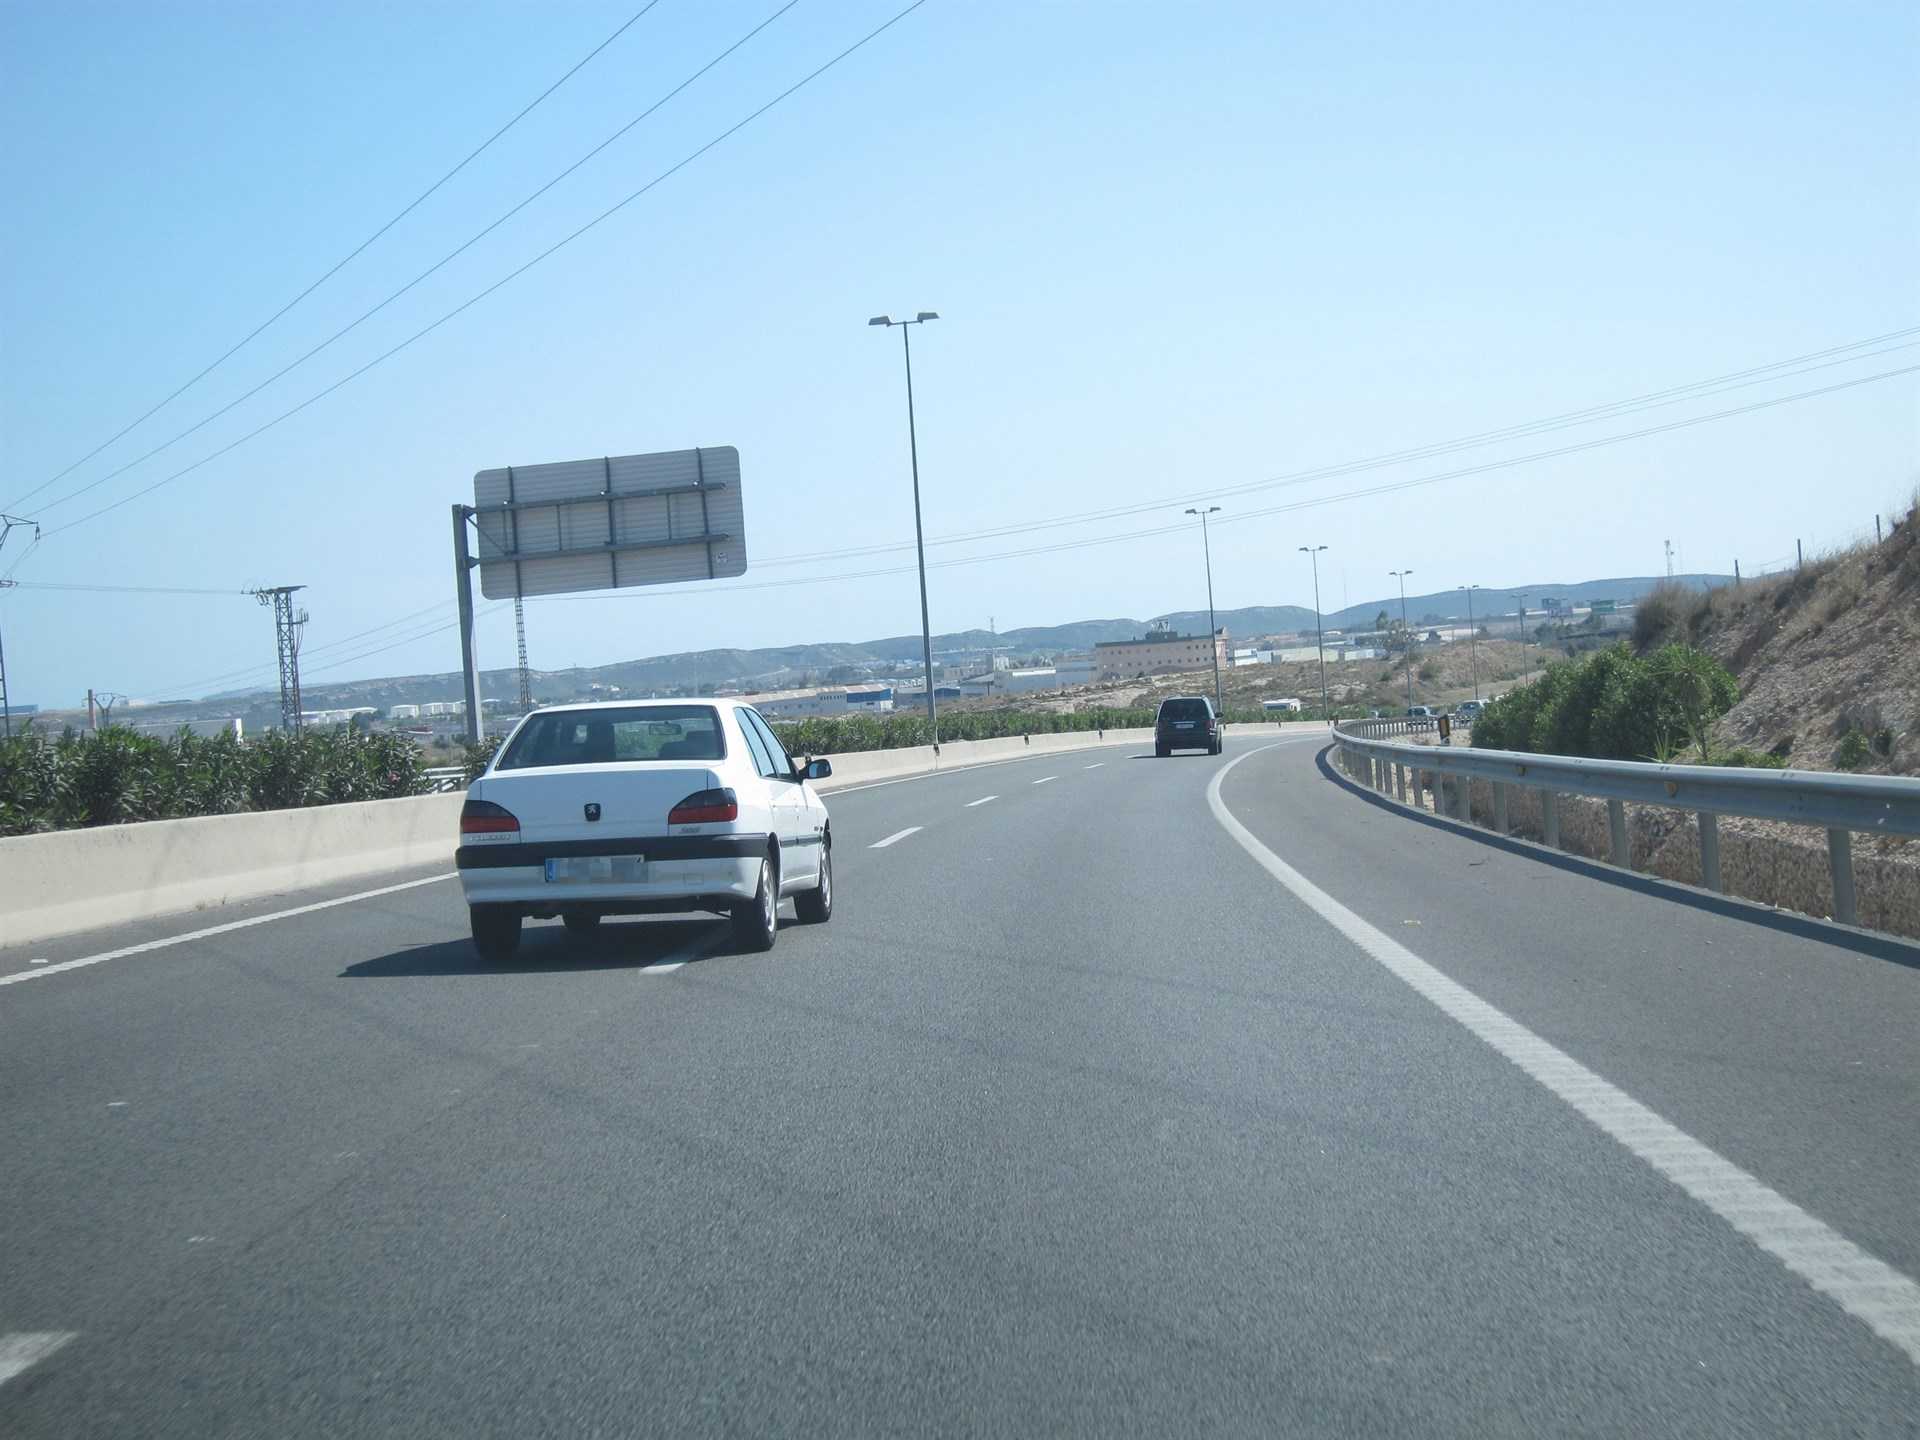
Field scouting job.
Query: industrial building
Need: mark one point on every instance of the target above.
(1160, 652)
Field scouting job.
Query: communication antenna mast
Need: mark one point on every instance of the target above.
(1669, 545)
(287, 624)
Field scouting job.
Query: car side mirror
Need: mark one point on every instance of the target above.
(818, 769)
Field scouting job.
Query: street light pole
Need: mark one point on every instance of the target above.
(1213, 626)
(1312, 552)
(919, 541)
(1526, 652)
(1406, 630)
(1473, 642)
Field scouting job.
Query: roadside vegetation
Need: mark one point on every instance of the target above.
(118, 775)
(1616, 705)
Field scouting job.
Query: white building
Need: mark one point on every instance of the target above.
(403, 712)
(1076, 670)
(1019, 682)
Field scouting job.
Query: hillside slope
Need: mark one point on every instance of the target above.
(1828, 656)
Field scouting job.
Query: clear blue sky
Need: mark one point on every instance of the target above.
(1175, 248)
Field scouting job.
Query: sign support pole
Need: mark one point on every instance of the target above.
(463, 591)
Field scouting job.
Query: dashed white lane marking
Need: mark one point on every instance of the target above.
(896, 837)
(1045, 778)
(18, 1351)
(1867, 1288)
(981, 801)
(1095, 766)
(213, 930)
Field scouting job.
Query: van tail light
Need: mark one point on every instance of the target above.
(705, 807)
(483, 817)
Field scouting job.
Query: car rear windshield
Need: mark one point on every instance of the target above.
(1183, 710)
(596, 737)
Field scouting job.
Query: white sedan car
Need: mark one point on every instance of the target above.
(640, 807)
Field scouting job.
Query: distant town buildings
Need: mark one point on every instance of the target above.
(1160, 652)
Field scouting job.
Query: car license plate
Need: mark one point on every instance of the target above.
(597, 870)
(1183, 724)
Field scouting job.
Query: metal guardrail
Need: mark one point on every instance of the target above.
(1391, 725)
(444, 779)
(1839, 804)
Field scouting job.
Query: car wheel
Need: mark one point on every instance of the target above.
(581, 924)
(496, 931)
(815, 906)
(756, 922)
(1161, 751)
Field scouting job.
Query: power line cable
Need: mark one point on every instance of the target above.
(451, 255)
(341, 264)
(1242, 516)
(506, 279)
(1658, 399)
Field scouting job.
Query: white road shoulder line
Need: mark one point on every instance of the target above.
(981, 801)
(896, 837)
(1045, 778)
(19, 1351)
(1867, 1288)
(213, 930)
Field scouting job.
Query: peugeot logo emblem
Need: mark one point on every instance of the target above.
(593, 812)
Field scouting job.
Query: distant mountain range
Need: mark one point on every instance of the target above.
(826, 663)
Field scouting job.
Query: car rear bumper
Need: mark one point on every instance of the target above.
(699, 870)
(691, 882)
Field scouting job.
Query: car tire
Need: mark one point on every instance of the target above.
(756, 922)
(1161, 751)
(581, 925)
(496, 931)
(815, 906)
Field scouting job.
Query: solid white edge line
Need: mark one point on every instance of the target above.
(19, 1351)
(213, 930)
(981, 801)
(1866, 1287)
(897, 835)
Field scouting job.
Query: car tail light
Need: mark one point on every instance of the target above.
(483, 817)
(706, 807)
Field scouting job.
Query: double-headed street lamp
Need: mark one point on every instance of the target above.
(1312, 552)
(1213, 629)
(1406, 630)
(919, 543)
(1473, 642)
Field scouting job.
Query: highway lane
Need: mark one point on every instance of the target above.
(1071, 1120)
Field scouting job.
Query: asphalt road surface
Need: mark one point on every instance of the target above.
(1080, 1117)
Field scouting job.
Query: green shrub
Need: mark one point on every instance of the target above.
(1612, 705)
(118, 775)
(1853, 752)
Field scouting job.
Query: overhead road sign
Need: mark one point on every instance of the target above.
(610, 523)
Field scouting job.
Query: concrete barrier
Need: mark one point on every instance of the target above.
(72, 880)
(79, 879)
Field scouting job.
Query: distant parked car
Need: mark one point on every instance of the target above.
(1186, 722)
(1467, 711)
(637, 807)
(1420, 712)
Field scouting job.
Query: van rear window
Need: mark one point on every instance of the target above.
(1183, 710)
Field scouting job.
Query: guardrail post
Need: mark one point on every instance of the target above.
(1617, 833)
(1400, 781)
(1710, 850)
(1550, 819)
(1840, 856)
(1500, 806)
